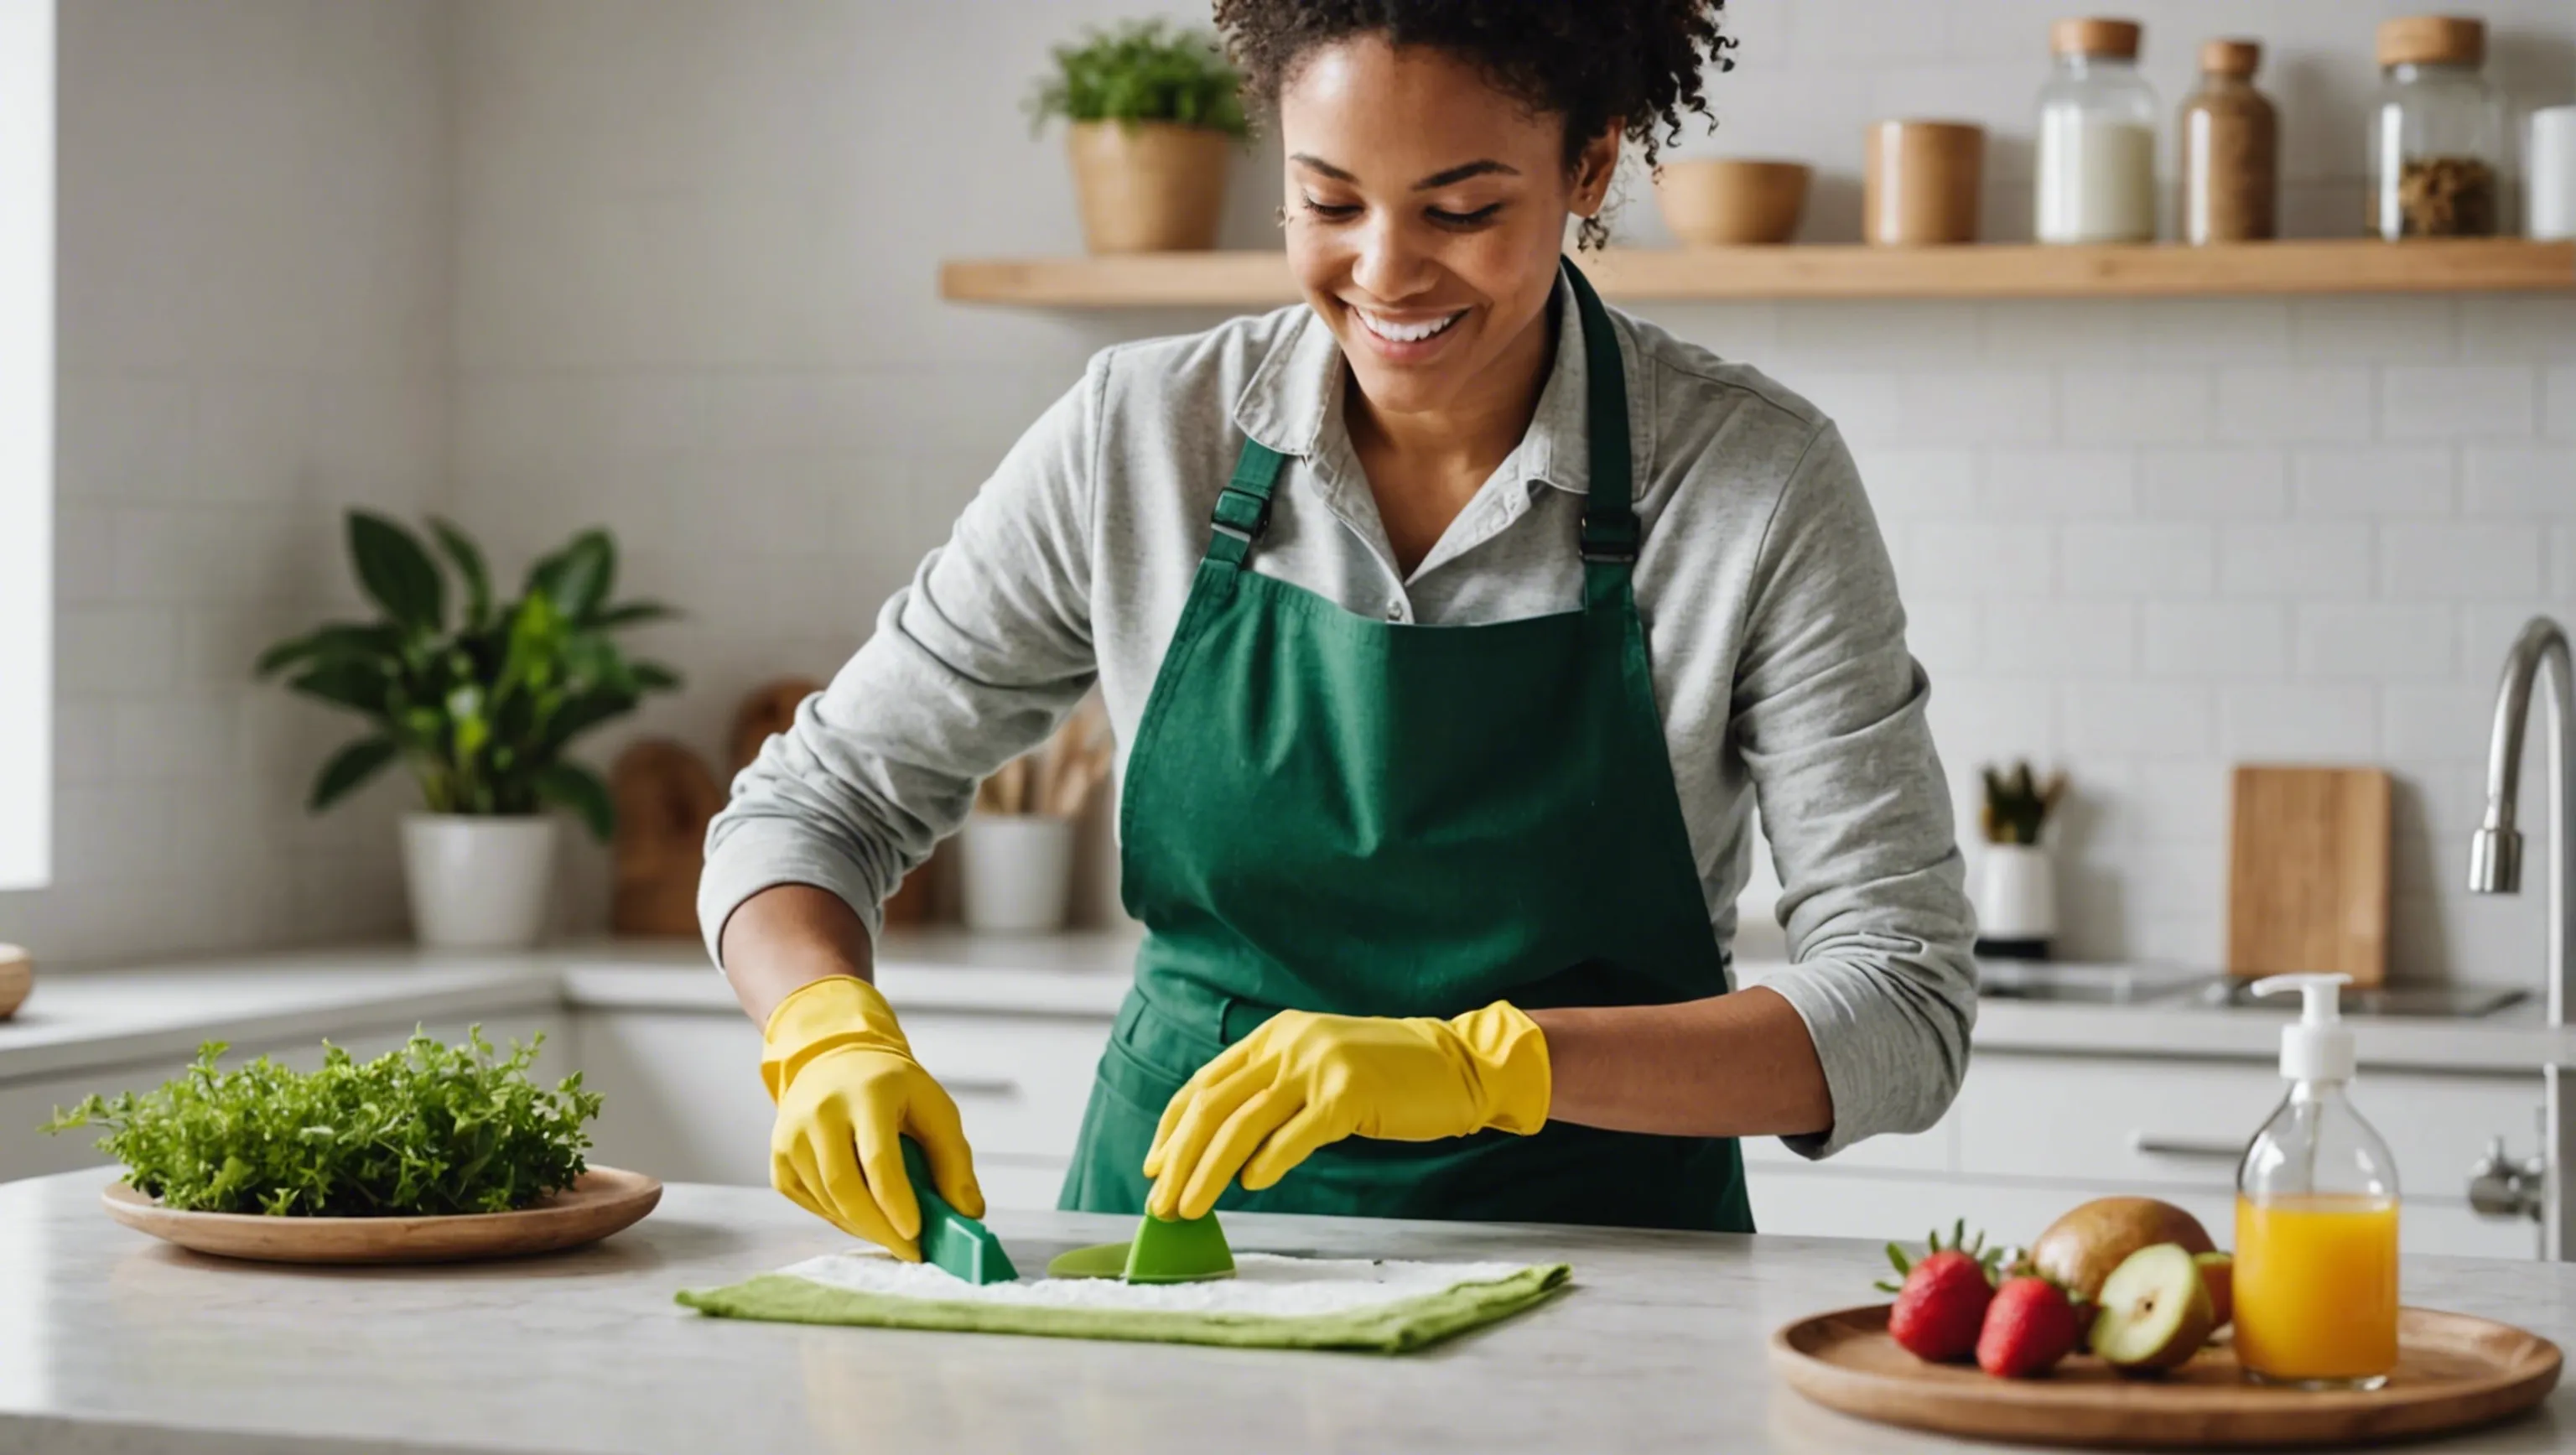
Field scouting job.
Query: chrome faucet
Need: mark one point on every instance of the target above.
(2495, 855)
(2535, 1187)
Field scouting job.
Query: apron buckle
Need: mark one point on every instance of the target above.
(1610, 540)
(1241, 513)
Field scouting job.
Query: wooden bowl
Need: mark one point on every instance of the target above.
(17, 977)
(1728, 202)
(600, 1202)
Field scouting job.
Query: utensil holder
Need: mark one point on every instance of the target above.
(1015, 872)
(2016, 902)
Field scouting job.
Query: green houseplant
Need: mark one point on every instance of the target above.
(1154, 112)
(481, 705)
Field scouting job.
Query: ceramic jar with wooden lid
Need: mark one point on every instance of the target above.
(2437, 132)
(2231, 149)
(2097, 137)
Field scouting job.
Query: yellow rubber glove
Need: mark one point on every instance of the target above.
(847, 1088)
(1302, 1080)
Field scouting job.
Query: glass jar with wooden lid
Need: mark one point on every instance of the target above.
(2097, 137)
(2231, 149)
(2437, 132)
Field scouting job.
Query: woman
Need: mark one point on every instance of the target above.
(1452, 627)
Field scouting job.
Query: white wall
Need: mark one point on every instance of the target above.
(254, 245)
(697, 245)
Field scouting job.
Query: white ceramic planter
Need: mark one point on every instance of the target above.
(2016, 895)
(478, 883)
(1015, 872)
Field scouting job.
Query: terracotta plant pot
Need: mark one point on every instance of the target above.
(1722, 203)
(1150, 187)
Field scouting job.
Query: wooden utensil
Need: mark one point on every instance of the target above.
(17, 977)
(664, 796)
(2307, 884)
(600, 1202)
(2453, 1372)
(767, 709)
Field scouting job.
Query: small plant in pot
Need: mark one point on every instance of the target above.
(2016, 895)
(1154, 113)
(481, 711)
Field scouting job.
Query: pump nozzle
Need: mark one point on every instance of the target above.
(2319, 1046)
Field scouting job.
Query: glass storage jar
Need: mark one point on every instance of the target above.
(2097, 137)
(2230, 149)
(2437, 132)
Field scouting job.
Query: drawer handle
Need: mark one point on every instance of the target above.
(980, 1086)
(2148, 1144)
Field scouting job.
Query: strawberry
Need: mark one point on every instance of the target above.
(2030, 1325)
(1941, 1307)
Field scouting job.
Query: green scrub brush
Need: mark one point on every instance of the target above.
(1162, 1252)
(949, 1238)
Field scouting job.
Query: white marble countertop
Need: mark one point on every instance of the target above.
(112, 1342)
(83, 1019)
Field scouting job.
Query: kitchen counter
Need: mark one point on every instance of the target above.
(83, 1019)
(110, 1340)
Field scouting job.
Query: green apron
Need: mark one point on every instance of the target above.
(1332, 813)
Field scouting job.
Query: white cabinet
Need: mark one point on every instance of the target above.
(27, 1105)
(684, 1099)
(2032, 1135)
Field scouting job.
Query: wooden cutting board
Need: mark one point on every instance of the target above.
(2307, 879)
(2453, 1372)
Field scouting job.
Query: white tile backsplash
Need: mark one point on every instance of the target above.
(252, 324)
(2372, 481)
(665, 265)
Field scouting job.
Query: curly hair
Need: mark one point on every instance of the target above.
(1585, 60)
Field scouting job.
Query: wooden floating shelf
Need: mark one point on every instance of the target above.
(1983, 270)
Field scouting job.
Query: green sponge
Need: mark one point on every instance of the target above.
(1161, 1252)
(1178, 1252)
(949, 1238)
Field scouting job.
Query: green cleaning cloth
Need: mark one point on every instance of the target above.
(1273, 1302)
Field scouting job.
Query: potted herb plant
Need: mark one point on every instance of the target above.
(1153, 112)
(480, 709)
(2016, 893)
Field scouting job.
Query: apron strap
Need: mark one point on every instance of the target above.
(1243, 506)
(1610, 530)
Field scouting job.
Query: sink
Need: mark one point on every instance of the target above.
(2177, 987)
(2078, 984)
(2454, 1002)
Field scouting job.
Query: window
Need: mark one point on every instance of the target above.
(26, 438)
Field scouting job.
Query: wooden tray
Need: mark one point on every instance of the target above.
(600, 1202)
(2453, 1371)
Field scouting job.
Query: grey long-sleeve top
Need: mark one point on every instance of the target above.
(1770, 609)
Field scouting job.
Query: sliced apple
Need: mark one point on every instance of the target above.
(2218, 1270)
(2155, 1311)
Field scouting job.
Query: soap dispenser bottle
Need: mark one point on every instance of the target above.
(2316, 1217)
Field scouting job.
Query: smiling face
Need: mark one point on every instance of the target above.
(1426, 213)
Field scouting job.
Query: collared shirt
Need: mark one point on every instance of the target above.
(1770, 609)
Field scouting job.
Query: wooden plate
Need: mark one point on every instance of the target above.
(2453, 1371)
(601, 1201)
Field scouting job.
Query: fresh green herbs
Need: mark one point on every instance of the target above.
(1143, 71)
(427, 1129)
